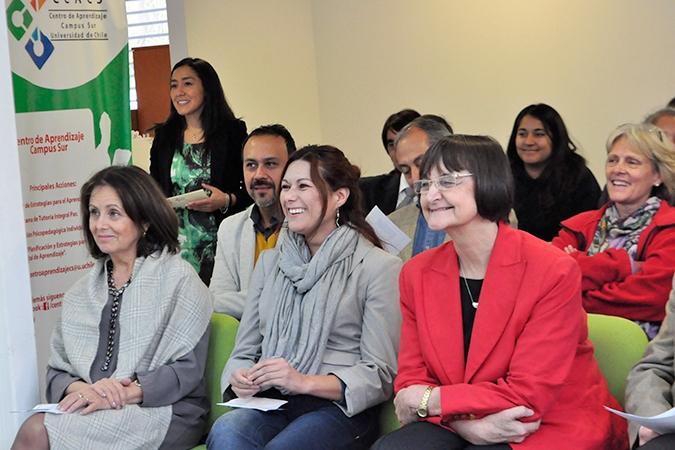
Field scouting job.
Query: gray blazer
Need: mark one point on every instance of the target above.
(233, 264)
(406, 219)
(362, 347)
(650, 384)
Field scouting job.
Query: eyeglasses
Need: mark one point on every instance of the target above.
(442, 183)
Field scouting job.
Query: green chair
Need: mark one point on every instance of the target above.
(619, 343)
(221, 342)
(388, 420)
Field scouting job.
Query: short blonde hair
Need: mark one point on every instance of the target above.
(652, 143)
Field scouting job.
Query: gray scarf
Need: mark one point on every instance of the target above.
(307, 293)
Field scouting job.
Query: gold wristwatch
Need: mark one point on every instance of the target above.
(423, 407)
(135, 380)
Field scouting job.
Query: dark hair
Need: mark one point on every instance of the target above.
(330, 169)
(563, 168)
(671, 103)
(483, 157)
(660, 114)
(144, 203)
(273, 130)
(397, 121)
(216, 109)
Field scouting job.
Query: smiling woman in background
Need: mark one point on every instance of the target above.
(199, 146)
(552, 182)
(626, 249)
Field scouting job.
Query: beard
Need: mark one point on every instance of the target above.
(263, 201)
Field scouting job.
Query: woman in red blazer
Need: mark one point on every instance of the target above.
(494, 343)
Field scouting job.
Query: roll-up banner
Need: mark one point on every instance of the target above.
(70, 74)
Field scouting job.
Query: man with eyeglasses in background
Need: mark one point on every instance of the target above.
(411, 143)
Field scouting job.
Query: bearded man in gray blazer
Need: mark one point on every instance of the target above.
(242, 237)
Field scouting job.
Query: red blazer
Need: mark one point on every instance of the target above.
(529, 344)
(609, 286)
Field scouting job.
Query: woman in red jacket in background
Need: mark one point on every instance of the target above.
(626, 249)
(494, 346)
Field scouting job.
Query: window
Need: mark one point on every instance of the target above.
(147, 25)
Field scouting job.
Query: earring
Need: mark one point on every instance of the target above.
(337, 218)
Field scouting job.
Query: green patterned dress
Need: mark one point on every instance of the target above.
(196, 230)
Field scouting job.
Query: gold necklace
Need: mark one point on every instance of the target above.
(195, 136)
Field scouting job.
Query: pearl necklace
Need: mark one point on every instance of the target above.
(114, 312)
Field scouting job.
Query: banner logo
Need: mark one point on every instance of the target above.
(19, 20)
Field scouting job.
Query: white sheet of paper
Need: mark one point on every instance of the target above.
(259, 403)
(393, 239)
(50, 408)
(181, 201)
(662, 423)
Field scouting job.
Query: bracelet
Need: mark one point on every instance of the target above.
(224, 209)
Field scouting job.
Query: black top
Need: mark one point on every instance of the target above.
(468, 311)
(275, 223)
(543, 221)
(227, 172)
(380, 191)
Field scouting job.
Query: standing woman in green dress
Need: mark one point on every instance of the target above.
(199, 147)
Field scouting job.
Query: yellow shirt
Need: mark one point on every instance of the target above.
(264, 244)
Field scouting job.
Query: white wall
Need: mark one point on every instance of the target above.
(334, 70)
(18, 364)
(263, 52)
(175, 12)
(479, 62)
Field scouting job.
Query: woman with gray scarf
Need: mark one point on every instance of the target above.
(129, 350)
(321, 324)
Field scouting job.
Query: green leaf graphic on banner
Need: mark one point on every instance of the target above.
(28, 98)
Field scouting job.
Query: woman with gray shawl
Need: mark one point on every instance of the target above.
(128, 353)
(321, 323)
(626, 249)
